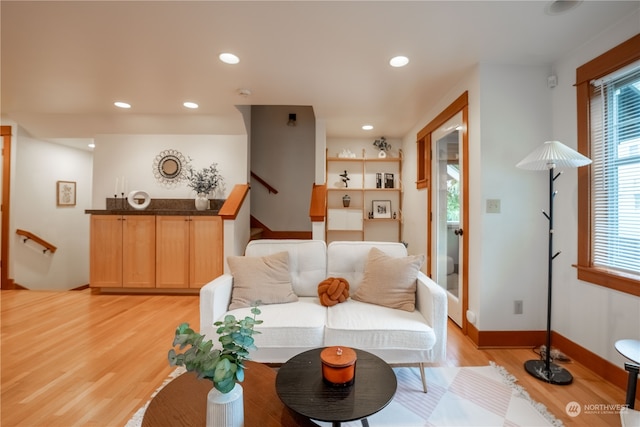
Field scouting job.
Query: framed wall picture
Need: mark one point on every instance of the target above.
(381, 209)
(65, 193)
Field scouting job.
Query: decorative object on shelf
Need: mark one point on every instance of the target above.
(381, 209)
(378, 180)
(382, 145)
(292, 120)
(346, 154)
(345, 179)
(65, 193)
(203, 182)
(388, 180)
(202, 202)
(169, 168)
(224, 367)
(346, 200)
(370, 215)
(550, 155)
(394, 215)
(138, 199)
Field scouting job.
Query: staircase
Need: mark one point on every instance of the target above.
(256, 233)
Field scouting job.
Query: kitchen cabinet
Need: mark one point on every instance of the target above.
(122, 251)
(188, 250)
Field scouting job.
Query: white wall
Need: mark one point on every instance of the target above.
(36, 167)
(516, 119)
(592, 316)
(132, 156)
(284, 156)
(511, 111)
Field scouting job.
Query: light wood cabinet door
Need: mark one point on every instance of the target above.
(172, 251)
(139, 251)
(206, 250)
(105, 248)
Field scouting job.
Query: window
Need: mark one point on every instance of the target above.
(609, 190)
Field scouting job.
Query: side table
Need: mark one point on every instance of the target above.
(183, 402)
(300, 386)
(631, 350)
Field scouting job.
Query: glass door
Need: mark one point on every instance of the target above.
(447, 193)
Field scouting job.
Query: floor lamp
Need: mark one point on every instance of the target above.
(549, 156)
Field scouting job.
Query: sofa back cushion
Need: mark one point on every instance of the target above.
(348, 259)
(307, 261)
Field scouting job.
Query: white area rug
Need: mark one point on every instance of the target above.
(470, 396)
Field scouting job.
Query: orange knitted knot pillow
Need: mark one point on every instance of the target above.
(333, 290)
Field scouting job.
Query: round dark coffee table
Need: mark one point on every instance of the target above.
(300, 386)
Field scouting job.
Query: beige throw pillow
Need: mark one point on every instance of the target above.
(266, 279)
(389, 281)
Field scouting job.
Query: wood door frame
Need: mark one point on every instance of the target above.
(5, 132)
(461, 104)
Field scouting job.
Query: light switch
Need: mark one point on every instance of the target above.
(493, 205)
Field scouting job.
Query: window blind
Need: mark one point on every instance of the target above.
(615, 189)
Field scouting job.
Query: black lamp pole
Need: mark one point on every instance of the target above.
(543, 369)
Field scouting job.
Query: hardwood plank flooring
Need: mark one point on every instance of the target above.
(80, 359)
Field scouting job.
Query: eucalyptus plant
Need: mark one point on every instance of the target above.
(223, 366)
(205, 180)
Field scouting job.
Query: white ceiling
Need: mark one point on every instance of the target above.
(65, 63)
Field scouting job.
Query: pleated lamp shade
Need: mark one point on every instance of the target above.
(553, 154)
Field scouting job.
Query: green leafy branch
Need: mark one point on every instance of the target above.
(223, 366)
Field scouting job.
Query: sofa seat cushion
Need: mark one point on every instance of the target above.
(368, 326)
(294, 324)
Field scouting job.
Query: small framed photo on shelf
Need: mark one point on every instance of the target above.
(381, 209)
(388, 180)
(65, 193)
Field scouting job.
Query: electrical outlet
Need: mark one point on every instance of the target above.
(493, 205)
(517, 307)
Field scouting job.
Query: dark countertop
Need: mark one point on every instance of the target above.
(132, 211)
(119, 206)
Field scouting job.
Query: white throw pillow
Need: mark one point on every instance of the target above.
(265, 279)
(389, 281)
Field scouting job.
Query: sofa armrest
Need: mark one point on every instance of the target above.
(215, 298)
(431, 302)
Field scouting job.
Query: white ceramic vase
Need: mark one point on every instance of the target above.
(382, 154)
(225, 409)
(202, 202)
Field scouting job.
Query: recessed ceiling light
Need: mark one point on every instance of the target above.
(91, 145)
(229, 58)
(189, 104)
(367, 127)
(398, 61)
(121, 104)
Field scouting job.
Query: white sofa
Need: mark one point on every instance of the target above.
(396, 336)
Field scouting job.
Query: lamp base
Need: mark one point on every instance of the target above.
(555, 375)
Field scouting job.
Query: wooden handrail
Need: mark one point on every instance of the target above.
(318, 205)
(265, 183)
(30, 236)
(232, 205)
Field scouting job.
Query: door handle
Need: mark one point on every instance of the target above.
(458, 232)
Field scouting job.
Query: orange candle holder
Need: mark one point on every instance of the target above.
(338, 366)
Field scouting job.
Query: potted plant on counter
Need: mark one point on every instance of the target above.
(203, 182)
(223, 366)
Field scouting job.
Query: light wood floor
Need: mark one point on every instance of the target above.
(77, 359)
